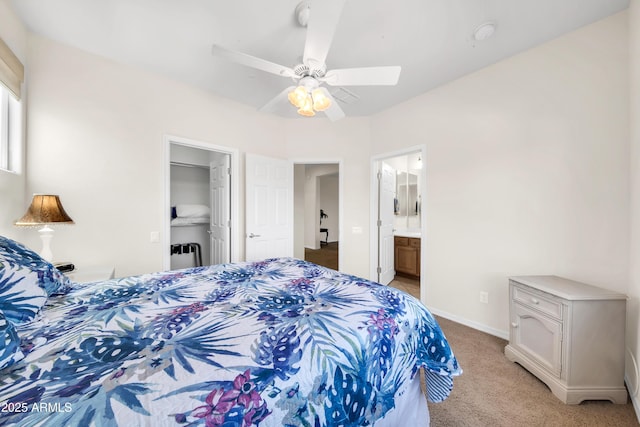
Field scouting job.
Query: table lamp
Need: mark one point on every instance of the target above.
(45, 210)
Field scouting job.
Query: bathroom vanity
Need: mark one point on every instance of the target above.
(407, 254)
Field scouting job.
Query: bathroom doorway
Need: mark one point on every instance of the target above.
(398, 237)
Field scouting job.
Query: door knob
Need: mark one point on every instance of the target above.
(251, 236)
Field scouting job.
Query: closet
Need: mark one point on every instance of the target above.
(199, 196)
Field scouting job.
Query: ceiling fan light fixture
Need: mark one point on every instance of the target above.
(307, 107)
(298, 96)
(320, 101)
(312, 72)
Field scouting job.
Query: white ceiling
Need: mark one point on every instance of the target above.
(431, 39)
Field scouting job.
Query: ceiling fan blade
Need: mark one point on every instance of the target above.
(323, 20)
(270, 106)
(334, 112)
(252, 61)
(366, 76)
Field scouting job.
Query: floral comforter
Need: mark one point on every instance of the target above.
(281, 342)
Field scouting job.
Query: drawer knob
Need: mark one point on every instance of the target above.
(514, 325)
(535, 301)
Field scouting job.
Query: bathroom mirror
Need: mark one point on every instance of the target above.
(408, 203)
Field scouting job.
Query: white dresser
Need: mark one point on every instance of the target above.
(570, 335)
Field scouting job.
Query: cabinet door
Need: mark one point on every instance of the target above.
(537, 335)
(406, 260)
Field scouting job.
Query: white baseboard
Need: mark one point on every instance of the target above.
(470, 323)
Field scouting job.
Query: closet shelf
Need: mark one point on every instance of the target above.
(188, 165)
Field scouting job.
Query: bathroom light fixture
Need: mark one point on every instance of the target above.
(45, 210)
(308, 97)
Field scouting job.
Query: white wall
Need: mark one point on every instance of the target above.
(13, 199)
(298, 210)
(329, 186)
(96, 138)
(527, 171)
(633, 314)
(311, 215)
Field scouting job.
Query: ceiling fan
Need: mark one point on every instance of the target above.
(309, 94)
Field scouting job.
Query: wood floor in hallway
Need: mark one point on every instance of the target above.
(326, 256)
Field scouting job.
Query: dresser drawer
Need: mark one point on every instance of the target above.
(537, 300)
(414, 243)
(401, 241)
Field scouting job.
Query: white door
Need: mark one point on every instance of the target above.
(386, 196)
(220, 191)
(269, 208)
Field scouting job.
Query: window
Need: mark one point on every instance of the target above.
(10, 131)
(11, 78)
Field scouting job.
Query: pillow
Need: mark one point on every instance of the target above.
(10, 351)
(21, 297)
(49, 278)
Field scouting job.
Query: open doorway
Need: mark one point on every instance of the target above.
(398, 237)
(200, 204)
(317, 213)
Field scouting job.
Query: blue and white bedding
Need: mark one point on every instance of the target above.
(281, 342)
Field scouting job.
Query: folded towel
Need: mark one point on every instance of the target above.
(192, 211)
(190, 221)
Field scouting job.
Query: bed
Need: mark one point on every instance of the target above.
(281, 342)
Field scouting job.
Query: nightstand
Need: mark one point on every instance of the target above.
(570, 335)
(91, 274)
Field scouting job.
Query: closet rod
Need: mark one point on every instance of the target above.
(188, 165)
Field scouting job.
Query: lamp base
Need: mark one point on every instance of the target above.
(46, 234)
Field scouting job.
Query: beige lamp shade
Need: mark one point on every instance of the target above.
(44, 209)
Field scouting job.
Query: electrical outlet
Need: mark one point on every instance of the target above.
(484, 297)
(154, 237)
